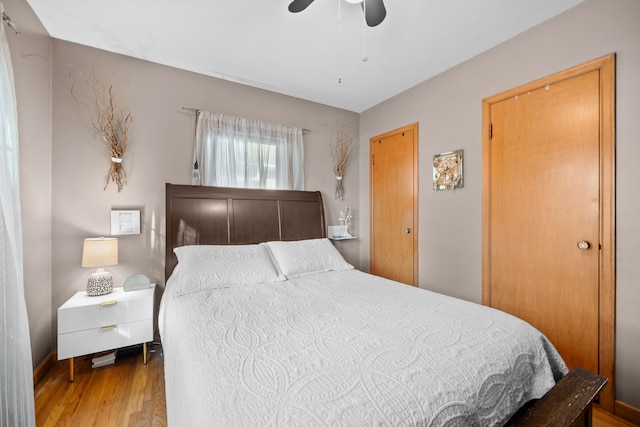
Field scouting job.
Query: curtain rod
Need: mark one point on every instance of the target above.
(195, 110)
(10, 23)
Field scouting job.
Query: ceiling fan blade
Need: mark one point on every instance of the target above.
(299, 5)
(374, 12)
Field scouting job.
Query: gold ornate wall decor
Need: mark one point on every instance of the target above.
(447, 170)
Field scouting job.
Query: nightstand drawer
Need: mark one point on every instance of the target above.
(107, 338)
(118, 307)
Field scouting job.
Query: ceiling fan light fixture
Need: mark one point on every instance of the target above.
(374, 10)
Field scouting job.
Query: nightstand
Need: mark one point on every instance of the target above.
(90, 324)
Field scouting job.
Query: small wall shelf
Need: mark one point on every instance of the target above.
(342, 238)
(338, 232)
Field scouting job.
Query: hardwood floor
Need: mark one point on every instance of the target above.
(129, 393)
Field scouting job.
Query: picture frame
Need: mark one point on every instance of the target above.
(448, 170)
(124, 222)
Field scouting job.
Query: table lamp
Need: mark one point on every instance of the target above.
(100, 252)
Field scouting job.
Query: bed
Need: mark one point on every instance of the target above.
(263, 322)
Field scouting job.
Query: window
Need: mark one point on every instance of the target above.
(236, 152)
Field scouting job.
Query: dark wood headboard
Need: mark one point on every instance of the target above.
(199, 215)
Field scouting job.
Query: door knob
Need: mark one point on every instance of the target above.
(407, 230)
(584, 245)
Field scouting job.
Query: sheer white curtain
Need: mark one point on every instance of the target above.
(235, 152)
(16, 373)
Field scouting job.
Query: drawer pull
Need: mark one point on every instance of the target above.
(106, 303)
(108, 328)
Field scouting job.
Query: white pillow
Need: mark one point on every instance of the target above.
(302, 257)
(223, 266)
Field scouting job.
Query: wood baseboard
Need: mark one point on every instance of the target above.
(627, 412)
(44, 366)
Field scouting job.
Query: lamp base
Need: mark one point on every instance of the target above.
(99, 283)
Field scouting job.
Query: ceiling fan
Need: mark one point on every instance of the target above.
(374, 10)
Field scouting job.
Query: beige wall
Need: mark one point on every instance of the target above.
(31, 58)
(159, 151)
(448, 110)
(63, 168)
(62, 187)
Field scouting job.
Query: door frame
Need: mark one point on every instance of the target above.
(412, 127)
(607, 295)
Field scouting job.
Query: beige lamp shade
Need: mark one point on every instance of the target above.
(100, 252)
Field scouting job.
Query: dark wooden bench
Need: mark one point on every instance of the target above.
(569, 403)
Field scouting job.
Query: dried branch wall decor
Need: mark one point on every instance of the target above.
(112, 121)
(113, 124)
(340, 153)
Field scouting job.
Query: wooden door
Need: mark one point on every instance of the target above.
(394, 194)
(547, 212)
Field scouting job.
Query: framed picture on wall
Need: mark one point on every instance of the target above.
(447, 170)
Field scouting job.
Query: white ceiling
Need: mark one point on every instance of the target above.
(305, 55)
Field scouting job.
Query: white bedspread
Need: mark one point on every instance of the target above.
(344, 348)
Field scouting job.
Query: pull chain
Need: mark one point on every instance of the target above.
(364, 31)
(339, 50)
(364, 43)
